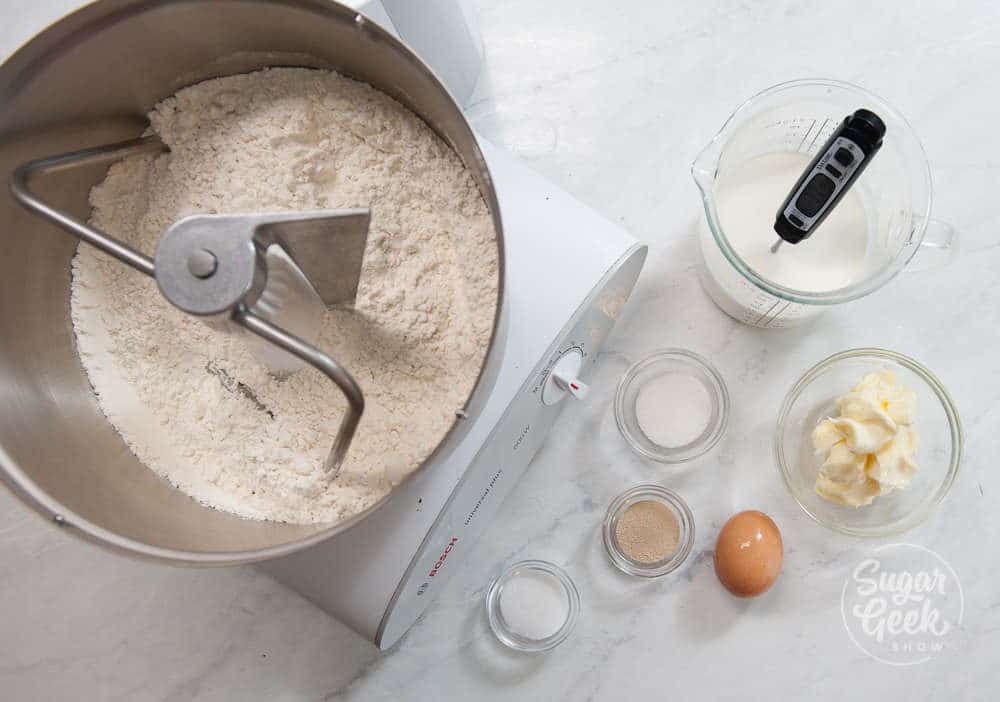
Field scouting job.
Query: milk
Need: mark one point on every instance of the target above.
(748, 197)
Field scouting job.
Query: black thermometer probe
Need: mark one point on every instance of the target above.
(829, 175)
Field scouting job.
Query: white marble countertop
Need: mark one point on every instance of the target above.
(612, 103)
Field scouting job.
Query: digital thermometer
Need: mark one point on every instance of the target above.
(830, 174)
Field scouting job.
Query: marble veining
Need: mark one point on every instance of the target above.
(612, 101)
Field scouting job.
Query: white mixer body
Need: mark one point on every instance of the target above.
(442, 32)
(569, 273)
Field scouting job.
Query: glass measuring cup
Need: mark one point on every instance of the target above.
(894, 191)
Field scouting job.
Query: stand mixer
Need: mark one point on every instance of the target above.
(566, 274)
(402, 556)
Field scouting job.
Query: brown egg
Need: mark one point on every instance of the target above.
(748, 554)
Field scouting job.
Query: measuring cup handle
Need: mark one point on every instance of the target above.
(938, 249)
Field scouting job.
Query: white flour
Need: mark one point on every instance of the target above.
(291, 139)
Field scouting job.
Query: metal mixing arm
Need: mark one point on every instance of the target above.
(26, 172)
(326, 365)
(185, 268)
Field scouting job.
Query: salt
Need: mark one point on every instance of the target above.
(673, 409)
(534, 605)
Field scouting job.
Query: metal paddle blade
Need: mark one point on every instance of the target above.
(328, 246)
(288, 267)
(291, 302)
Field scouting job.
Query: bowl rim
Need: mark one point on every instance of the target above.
(510, 638)
(954, 425)
(656, 493)
(46, 48)
(719, 392)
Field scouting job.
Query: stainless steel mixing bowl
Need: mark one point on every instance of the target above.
(90, 79)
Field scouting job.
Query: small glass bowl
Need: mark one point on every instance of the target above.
(672, 501)
(499, 625)
(938, 428)
(660, 363)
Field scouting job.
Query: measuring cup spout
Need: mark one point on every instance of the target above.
(705, 166)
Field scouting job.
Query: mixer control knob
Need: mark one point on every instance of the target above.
(571, 384)
(564, 379)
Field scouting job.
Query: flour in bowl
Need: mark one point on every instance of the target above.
(192, 403)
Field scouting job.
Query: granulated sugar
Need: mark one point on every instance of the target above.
(673, 409)
(192, 403)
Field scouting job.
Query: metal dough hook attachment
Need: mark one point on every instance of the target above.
(216, 266)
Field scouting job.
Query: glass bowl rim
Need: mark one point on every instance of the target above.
(664, 496)
(522, 643)
(954, 425)
(719, 392)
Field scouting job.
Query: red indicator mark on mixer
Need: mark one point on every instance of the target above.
(574, 386)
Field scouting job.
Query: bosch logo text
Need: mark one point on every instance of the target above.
(443, 556)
